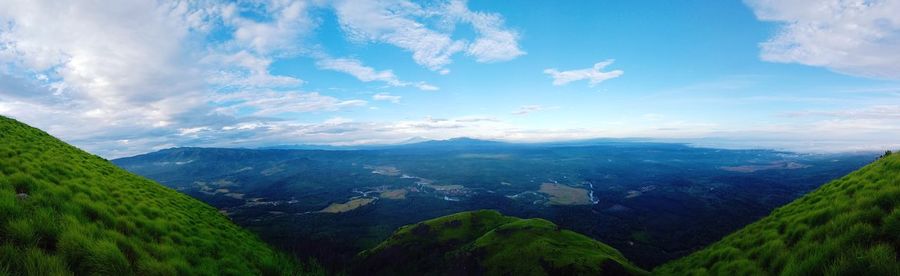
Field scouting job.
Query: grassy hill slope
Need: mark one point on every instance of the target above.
(480, 242)
(850, 226)
(64, 211)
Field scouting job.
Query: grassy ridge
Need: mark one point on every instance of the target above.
(549, 249)
(850, 226)
(64, 211)
(486, 242)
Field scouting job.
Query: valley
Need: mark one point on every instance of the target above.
(136, 226)
(310, 201)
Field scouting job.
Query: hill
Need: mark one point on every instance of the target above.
(850, 226)
(486, 242)
(64, 211)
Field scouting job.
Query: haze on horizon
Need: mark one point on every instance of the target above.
(125, 77)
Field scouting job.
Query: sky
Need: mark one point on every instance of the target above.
(119, 78)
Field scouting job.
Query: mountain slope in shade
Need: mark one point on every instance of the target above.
(850, 226)
(66, 212)
(486, 242)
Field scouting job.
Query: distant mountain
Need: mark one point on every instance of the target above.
(850, 226)
(412, 143)
(308, 147)
(461, 143)
(486, 242)
(64, 211)
(467, 143)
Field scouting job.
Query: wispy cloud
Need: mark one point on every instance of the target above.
(494, 42)
(364, 73)
(528, 109)
(401, 23)
(879, 112)
(244, 70)
(386, 97)
(290, 22)
(854, 37)
(278, 102)
(594, 75)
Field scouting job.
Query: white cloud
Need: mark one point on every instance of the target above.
(855, 37)
(494, 42)
(357, 69)
(49, 37)
(527, 109)
(392, 22)
(400, 23)
(877, 112)
(95, 73)
(159, 74)
(364, 73)
(270, 103)
(275, 31)
(245, 70)
(101, 68)
(290, 22)
(386, 97)
(594, 75)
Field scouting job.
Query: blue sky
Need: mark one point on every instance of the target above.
(125, 78)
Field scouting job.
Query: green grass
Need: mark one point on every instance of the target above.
(66, 212)
(537, 246)
(485, 241)
(850, 226)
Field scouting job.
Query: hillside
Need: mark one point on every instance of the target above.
(64, 211)
(486, 242)
(850, 226)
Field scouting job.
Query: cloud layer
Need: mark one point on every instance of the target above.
(125, 77)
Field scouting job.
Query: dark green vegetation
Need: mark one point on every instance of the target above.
(654, 202)
(486, 242)
(64, 211)
(850, 226)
